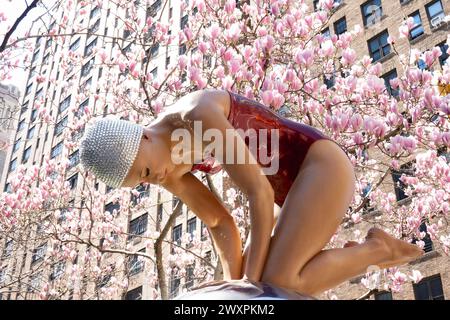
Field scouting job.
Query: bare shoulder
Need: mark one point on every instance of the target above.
(212, 100)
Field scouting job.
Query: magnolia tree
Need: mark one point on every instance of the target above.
(271, 51)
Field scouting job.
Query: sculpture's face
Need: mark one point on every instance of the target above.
(152, 162)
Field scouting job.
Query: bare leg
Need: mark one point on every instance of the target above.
(331, 267)
(314, 208)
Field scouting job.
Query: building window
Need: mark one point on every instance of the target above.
(46, 58)
(444, 57)
(62, 215)
(192, 227)
(153, 9)
(174, 284)
(74, 159)
(365, 194)
(73, 181)
(154, 72)
(64, 104)
(340, 26)
(35, 57)
(379, 46)
(204, 231)
(2, 278)
(337, 3)
(87, 67)
(13, 165)
(143, 192)
(17, 145)
(32, 73)
(57, 270)
(326, 34)
(74, 46)
(39, 253)
(167, 62)
(86, 85)
(135, 294)
(30, 132)
(372, 12)
(90, 47)
(138, 226)
(59, 128)
(35, 282)
(38, 94)
(422, 65)
(418, 29)
(154, 50)
(189, 276)
(94, 28)
(399, 186)
(48, 43)
(435, 13)
(428, 246)
(81, 108)
(56, 150)
(177, 232)
(8, 188)
(316, 5)
(182, 49)
(183, 22)
(28, 89)
(9, 245)
(159, 214)
(135, 264)
(26, 154)
(383, 295)
(330, 79)
(429, 289)
(34, 114)
(112, 208)
(21, 125)
(94, 12)
(391, 75)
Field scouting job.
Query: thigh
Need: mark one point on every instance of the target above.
(312, 211)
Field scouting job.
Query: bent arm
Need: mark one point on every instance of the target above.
(229, 247)
(212, 212)
(249, 177)
(261, 218)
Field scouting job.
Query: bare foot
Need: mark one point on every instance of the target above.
(398, 251)
(350, 243)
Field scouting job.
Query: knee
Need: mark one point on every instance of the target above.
(276, 278)
(306, 286)
(299, 285)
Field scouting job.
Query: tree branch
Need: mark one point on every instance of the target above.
(16, 24)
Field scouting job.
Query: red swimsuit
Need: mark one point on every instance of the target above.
(294, 141)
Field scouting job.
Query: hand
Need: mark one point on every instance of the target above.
(244, 277)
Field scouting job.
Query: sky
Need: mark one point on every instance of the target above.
(12, 9)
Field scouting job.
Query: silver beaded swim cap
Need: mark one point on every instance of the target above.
(109, 147)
